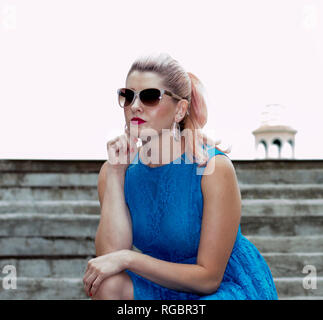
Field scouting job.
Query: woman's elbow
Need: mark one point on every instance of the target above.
(103, 245)
(212, 286)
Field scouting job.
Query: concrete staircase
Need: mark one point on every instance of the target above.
(49, 213)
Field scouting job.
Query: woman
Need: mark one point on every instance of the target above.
(181, 211)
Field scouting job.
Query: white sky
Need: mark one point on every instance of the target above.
(61, 62)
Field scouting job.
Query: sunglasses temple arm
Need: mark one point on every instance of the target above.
(173, 95)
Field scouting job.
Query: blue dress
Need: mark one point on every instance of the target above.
(166, 207)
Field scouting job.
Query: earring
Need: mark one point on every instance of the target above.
(176, 131)
(126, 127)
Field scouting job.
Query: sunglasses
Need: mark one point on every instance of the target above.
(149, 97)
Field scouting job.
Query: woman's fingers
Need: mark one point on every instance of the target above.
(119, 146)
(89, 276)
(112, 154)
(95, 285)
(122, 149)
(132, 142)
(112, 142)
(115, 151)
(123, 144)
(89, 282)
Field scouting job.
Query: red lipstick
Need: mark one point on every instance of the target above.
(137, 120)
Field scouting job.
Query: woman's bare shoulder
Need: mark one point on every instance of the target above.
(218, 164)
(102, 181)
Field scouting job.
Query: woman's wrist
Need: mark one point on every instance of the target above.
(115, 179)
(127, 258)
(112, 170)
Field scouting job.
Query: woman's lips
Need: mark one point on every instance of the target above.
(137, 121)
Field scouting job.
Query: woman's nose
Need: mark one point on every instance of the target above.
(136, 104)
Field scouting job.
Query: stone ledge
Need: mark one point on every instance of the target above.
(88, 166)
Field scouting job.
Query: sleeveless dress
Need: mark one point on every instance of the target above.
(166, 207)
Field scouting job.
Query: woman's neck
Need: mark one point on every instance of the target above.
(159, 152)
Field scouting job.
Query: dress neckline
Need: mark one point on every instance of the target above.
(161, 166)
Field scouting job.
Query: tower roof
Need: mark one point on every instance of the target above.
(274, 128)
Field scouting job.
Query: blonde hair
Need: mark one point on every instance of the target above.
(189, 87)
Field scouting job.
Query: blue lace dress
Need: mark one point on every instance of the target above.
(166, 206)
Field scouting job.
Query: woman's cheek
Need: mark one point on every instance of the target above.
(161, 117)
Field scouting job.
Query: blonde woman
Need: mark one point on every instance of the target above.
(181, 211)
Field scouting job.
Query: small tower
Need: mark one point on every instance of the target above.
(274, 138)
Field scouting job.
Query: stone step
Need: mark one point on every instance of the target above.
(248, 191)
(92, 166)
(281, 207)
(302, 298)
(49, 179)
(282, 191)
(282, 225)
(292, 264)
(250, 207)
(51, 206)
(280, 176)
(64, 247)
(85, 225)
(287, 244)
(36, 246)
(72, 288)
(72, 267)
(281, 265)
(294, 286)
(44, 289)
(245, 176)
(48, 193)
(48, 225)
(53, 166)
(40, 172)
(45, 246)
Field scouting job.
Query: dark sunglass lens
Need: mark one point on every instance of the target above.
(150, 97)
(125, 97)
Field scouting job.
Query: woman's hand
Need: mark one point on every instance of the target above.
(121, 151)
(102, 267)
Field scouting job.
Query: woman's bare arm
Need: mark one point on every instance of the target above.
(191, 278)
(220, 223)
(115, 227)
